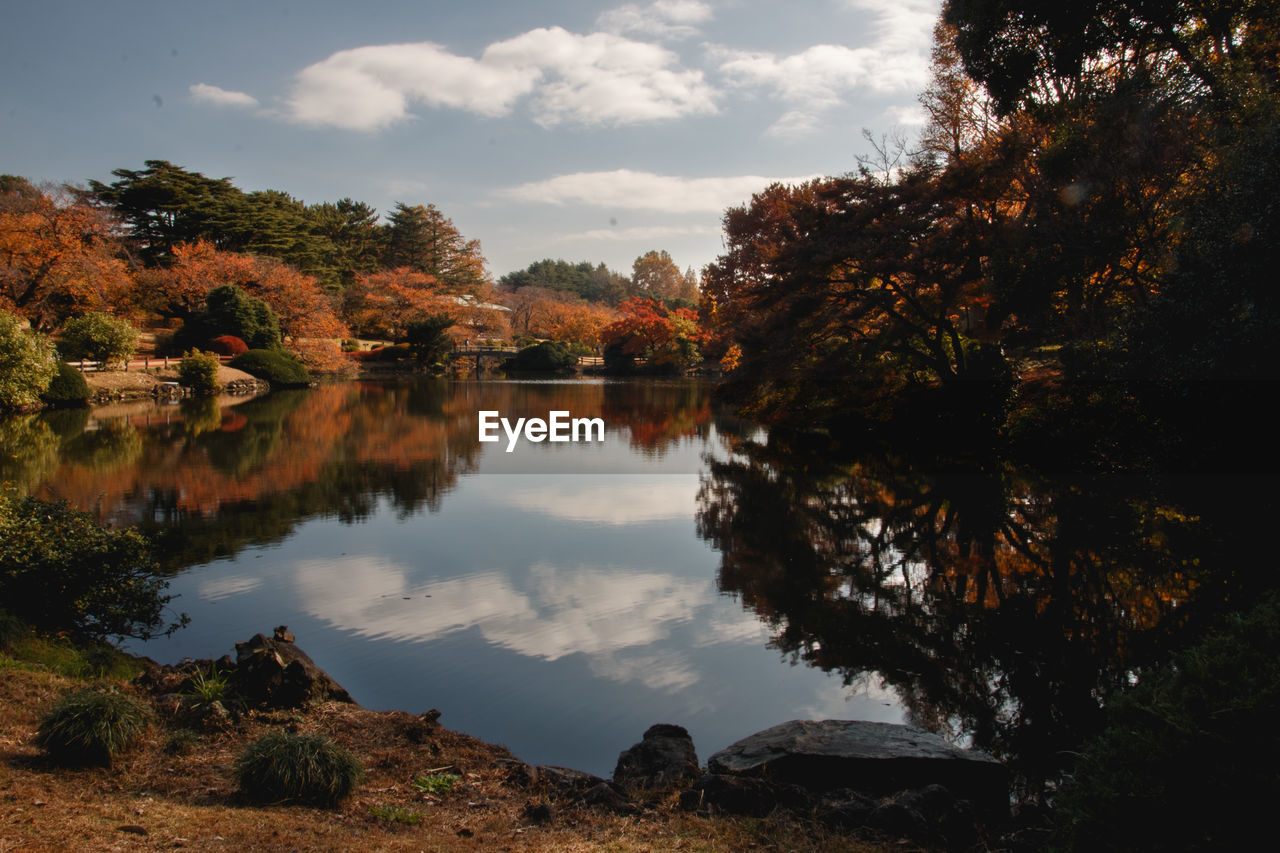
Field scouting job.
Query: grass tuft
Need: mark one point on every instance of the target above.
(91, 727)
(285, 767)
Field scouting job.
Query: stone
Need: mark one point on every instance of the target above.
(278, 674)
(604, 796)
(662, 760)
(739, 795)
(874, 758)
(565, 781)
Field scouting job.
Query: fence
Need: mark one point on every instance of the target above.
(148, 363)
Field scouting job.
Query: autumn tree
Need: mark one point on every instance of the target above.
(383, 303)
(58, 256)
(655, 275)
(667, 339)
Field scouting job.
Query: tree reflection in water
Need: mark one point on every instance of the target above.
(1001, 607)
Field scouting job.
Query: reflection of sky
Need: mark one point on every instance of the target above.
(560, 615)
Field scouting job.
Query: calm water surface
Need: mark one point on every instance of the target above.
(689, 569)
(557, 599)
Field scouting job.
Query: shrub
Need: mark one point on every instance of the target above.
(68, 387)
(91, 727)
(26, 364)
(231, 311)
(69, 574)
(98, 337)
(199, 372)
(299, 768)
(1189, 758)
(275, 366)
(228, 345)
(546, 356)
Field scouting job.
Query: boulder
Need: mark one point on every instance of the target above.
(663, 759)
(276, 673)
(740, 795)
(874, 758)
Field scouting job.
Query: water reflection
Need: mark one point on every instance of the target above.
(999, 605)
(555, 599)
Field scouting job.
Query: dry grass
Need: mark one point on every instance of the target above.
(151, 800)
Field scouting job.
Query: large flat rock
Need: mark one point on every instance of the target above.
(878, 758)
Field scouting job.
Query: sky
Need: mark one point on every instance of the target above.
(568, 129)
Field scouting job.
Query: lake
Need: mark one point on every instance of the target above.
(690, 568)
(557, 599)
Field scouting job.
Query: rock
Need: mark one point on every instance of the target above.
(663, 759)
(604, 796)
(739, 795)
(846, 809)
(518, 773)
(281, 675)
(564, 781)
(283, 634)
(876, 758)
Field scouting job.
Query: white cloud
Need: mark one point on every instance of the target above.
(368, 88)
(206, 94)
(673, 19)
(601, 78)
(612, 616)
(226, 587)
(625, 189)
(632, 500)
(817, 79)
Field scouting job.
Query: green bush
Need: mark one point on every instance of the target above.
(307, 769)
(26, 364)
(275, 366)
(231, 311)
(68, 388)
(546, 356)
(98, 337)
(66, 573)
(1190, 757)
(91, 727)
(199, 372)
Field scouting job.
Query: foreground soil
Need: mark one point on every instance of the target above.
(176, 790)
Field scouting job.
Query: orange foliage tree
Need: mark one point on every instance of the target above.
(58, 257)
(310, 325)
(382, 304)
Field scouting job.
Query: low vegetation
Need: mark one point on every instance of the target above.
(91, 727)
(68, 388)
(199, 372)
(1190, 758)
(275, 366)
(72, 575)
(308, 769)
